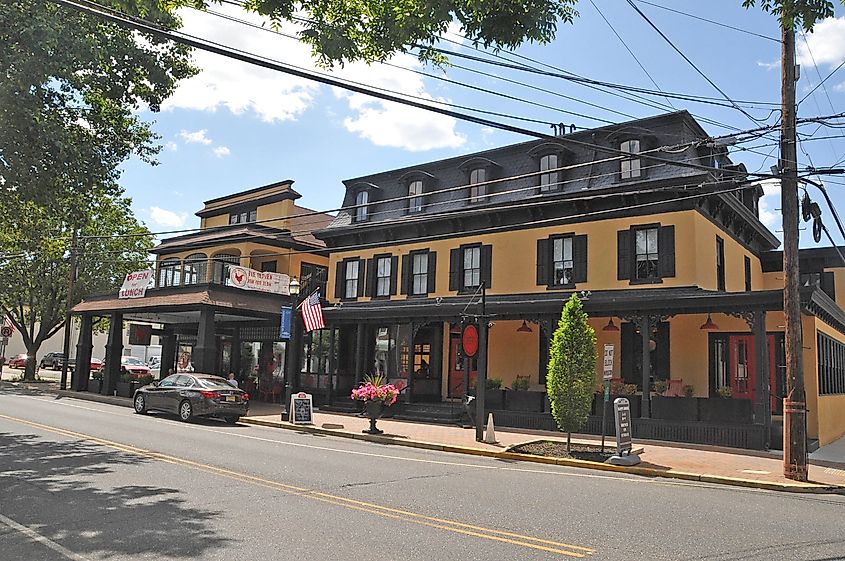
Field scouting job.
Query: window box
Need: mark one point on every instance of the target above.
(725, 410)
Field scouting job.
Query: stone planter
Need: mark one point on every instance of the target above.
(124, 389)
(373, 409)
(674, 408)
(94, 386)
(725, 410)
(524, 401)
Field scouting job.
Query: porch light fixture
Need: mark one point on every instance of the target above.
(708, 325)
(610, 326)
(524, 328)
(294, 287)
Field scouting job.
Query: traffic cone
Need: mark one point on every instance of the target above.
(490, 433)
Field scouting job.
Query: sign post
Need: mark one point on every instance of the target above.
(622, 415)
(4, 340)
(607, 375)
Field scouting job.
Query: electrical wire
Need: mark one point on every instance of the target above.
(820, 84)
(720, 24)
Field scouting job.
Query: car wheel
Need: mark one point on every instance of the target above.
(140, 404)
(186, 411)
(232, 420)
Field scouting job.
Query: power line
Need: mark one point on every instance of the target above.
(720, 24)
(624, 44)
(841, 64)
(690, 62)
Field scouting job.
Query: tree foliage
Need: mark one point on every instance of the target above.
(70, 88)
(792, 13)
(340, 31)
(571, 370)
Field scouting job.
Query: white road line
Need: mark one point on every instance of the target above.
(33, 535)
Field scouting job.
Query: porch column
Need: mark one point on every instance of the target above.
(645, 333)
(334, 333)
(205, 352)
(411, 362)
(235, 357)
(359, 352)
(82, 368)
(114, 349)
(762, 389)
(168, 353)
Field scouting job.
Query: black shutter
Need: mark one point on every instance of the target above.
(487, 265)
(432, 272)
(623, 254)
(394, 273)
(579, 255)
(406, 274)
(666, 251)
(340, 275)
(543, 263)
(361, 276)
(370, 287)
(828, 284)
(455, 269)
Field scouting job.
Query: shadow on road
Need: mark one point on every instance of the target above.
(73, 493)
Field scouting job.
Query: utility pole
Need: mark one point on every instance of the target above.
(70, 286)
(481, 378)
(794, 405)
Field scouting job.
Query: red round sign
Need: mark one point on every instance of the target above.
(469, 340)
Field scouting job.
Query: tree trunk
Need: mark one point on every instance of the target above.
(29, 369)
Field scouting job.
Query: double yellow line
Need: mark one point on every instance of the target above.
(511, 538)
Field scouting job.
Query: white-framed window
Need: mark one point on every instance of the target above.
(646, 253)
(220, 264)
(472, 267)
(549, 180)
(362, 209)
(415, 191)
(351, 279)
(244, 216)
(196, 269)
(630, 167)
(477, 193)
(419, 273)
(170, 273)
(562, 263)
(383, 274)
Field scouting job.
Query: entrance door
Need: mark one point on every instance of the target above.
(426, 368)
(743, 366)
(457, 388)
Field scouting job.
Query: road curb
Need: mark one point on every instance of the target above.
(808, 488)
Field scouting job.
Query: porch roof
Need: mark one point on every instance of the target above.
(605, 303)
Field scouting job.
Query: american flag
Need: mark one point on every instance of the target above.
(312, 312)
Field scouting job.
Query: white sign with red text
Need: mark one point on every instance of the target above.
(135, 284)
(250, 279)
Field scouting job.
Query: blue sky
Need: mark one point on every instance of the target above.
(235, 126)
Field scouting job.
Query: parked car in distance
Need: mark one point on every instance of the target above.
(96, 364)
(52, 360)
(134, 366)
(18, 361)
(193, 395)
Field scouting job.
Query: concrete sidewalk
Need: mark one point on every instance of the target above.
(729, 466)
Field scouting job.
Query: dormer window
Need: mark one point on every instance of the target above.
(630, 167)
(478, 185)
(362, 209)
(549, 178)
(243, 216)
(415, 198)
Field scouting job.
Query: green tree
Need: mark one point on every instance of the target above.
(792, 13)
(340, 31)
(572, 366)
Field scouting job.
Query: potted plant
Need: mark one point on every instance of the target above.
(493, 397)
(376, 396)
(725, 392)
(689, 390)
(660, 387)
(96, 381)
(124, 386)
(520, 399)
(673, 408)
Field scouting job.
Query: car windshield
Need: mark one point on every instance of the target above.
(213, 383)
(133, 361)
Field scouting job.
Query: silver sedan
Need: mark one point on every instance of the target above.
(193, 395)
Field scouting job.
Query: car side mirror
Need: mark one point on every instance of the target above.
(155, 383)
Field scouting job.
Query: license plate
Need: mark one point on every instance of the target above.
(230, 398)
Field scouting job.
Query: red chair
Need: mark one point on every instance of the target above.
(675, 388)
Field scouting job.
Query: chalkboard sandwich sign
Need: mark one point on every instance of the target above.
(301, 409)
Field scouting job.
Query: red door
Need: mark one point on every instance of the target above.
(743, 364)
(456, 369)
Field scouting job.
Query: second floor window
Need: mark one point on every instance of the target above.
(313, 277)
(383, 276)
(720, 264)
(415, 201)
(477, 193)
(351, 279)
(362, 209)
(630, 167)
(472, 267)
(170, 273)
(419, 273)
(548, 179)
(646, 252)
(244, 216)
(196, 269)
(563, 264)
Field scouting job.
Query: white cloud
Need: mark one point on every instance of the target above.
(386, 123)
(826, 44)
(172, 146)
(196, 137)
(222, 151)
(769, 215)
(839, 87)
(769, 65)
(168, 218)
(240, 87)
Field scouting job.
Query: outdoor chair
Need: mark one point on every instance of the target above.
(675, 388)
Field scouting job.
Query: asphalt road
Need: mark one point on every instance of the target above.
(86, 481)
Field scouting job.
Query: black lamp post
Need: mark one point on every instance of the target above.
(293, 347)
